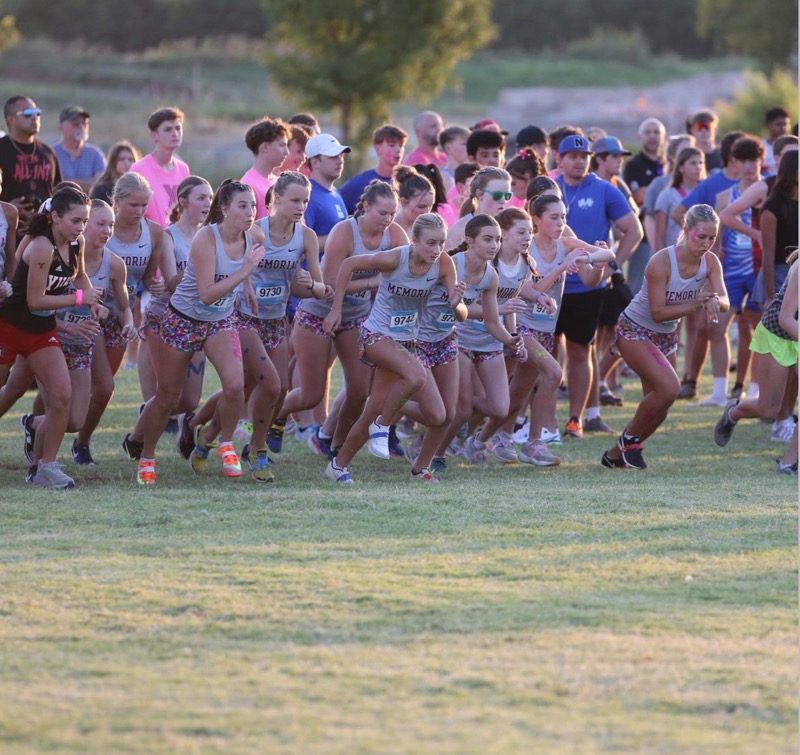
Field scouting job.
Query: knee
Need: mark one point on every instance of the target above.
(437, 417)
(103, 391)
(234, 387)
(416, 381)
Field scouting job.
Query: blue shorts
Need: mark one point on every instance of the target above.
(739, 289)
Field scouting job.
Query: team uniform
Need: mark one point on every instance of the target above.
(737, 264)
(398, 307)
(157, 305)
(189, 322)
(537, 322)
(474, 341)
(355, 307)
(637, 324)
(272, 281)
(77, 349)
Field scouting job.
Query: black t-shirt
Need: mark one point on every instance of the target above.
(640, 170)
(28, 170)
(785, 212)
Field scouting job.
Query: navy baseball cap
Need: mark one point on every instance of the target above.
(609, 145)
(574, 144)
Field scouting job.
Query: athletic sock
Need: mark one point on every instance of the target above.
(322, 435)
(592, 412)
(720, 389)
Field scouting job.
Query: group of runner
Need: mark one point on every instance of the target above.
(456, 293)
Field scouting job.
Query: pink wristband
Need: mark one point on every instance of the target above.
(78, 296)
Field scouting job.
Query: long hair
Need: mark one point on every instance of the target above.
(185, 188)
(61, 202)
(506, 220)
(222, 198)
(686, 154)
(471, 230)
(479, 182)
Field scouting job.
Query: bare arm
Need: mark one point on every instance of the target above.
(632, 235)
(787, 318)
(753, 196)
(769, 229)
(12, 218)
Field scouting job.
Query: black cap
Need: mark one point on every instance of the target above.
(531, 135)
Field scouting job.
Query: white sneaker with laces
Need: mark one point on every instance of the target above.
(521, 436)
(551, 436)
(782, 431)
(503, 448)
(379, 440)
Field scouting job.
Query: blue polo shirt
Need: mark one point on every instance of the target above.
(325, 209)
(353, 189)
(592, 209)
(706, 191)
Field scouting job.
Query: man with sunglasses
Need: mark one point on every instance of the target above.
(30, 168)
(703, 125)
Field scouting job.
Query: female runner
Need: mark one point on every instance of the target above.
(201, 316)
(408, 275)
(489, 192)
(51, 261)
(679, 280)
(372, 229)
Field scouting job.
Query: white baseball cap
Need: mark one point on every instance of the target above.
(326, 145)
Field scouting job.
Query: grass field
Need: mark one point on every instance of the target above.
(505, 610)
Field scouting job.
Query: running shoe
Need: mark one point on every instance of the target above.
(782, 431)
(503, 448)
(631, 449)
(132, 448)
(596, 425)
(521, 433)
(782, 468)
(573, 428)
(82, 455)
(607, 398)
(50, 476)
(289, 428)
(261, 469)
(26, 423)
(477, 456)
(724, 428)
(304, 433)
(320, 446)
(335, 473)
(395, 449)
(423, 475)
(275, 435)
(538, 454)
(378, 443)
(31, 473)
(185, 435)
(438, 465)
(456, 447)
(243, 431)
(231, 466)
(199, 455)
(607, 461)
(712, 401)
(146, 474)
(688, 389)
(551, 437)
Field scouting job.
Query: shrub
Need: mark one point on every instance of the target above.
(746, 111)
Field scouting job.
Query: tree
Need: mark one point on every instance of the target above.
(358, 56)
(9, 35)
(766, 30)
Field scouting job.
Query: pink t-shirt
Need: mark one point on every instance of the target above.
(261, 185)
(164, 184)
(515, 202)
(421, 156)
(448, 214)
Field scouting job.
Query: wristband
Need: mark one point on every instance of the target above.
(78, 297)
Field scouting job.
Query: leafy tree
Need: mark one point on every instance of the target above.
(766, 30)
(9, 35)
(357, 56)
(749, 105)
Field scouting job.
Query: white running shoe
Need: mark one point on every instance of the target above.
(379, 440)
(713, 401)
(538, 454)
(782, 431)
(335, 473)
(521, 436)
(551, 436)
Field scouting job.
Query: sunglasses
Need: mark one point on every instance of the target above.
(29, 111)
(498, 195)
(702, 126)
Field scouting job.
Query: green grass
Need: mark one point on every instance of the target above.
(509, 610)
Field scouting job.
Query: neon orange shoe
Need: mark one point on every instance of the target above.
(231, 467)
(573, 428)
(146, 474)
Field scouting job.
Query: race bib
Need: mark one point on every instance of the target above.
(403, 322)
(270, 294)
(77, 315)
(445, 320)
(357, 298)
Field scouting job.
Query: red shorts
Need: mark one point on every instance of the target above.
(15, 342)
